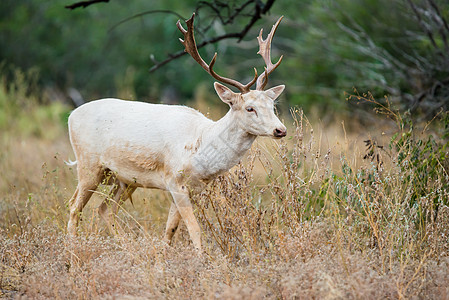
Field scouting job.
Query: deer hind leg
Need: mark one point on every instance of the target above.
(184, 206)
(172, 223)
(88, 181)
(110, 206)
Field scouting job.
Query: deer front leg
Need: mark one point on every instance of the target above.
(184, 207)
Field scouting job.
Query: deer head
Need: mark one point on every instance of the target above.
(254, 109)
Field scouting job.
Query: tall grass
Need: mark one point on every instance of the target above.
(311, 216)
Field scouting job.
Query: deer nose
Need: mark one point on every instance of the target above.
(280, 132)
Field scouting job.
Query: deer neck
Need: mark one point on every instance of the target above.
(223, 145)
(230, 136)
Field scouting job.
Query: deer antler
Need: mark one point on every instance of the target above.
(265, 52)
(190, 47)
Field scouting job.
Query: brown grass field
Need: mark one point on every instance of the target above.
(314, 216)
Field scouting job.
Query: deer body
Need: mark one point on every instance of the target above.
(132, 144)
(146, 145)
(142, 143)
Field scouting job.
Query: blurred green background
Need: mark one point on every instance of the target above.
(389, 47)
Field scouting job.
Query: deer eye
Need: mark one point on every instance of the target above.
(250, 109)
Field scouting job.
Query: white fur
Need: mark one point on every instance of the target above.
(168, 147)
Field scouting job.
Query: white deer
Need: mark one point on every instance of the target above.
(169, 147)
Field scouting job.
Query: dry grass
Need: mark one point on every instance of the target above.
(302, 218)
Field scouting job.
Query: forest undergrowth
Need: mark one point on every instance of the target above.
(324, 213)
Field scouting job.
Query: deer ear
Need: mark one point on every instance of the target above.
(225, 94)
(274, 92)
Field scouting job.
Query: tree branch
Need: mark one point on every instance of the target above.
(441, 23)
(143, 14)
(423, 26)
(260, 9)
(84, 4)
(202, 44)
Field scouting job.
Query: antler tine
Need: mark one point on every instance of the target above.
(191, 48)
(265, 52)
(189, 42)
